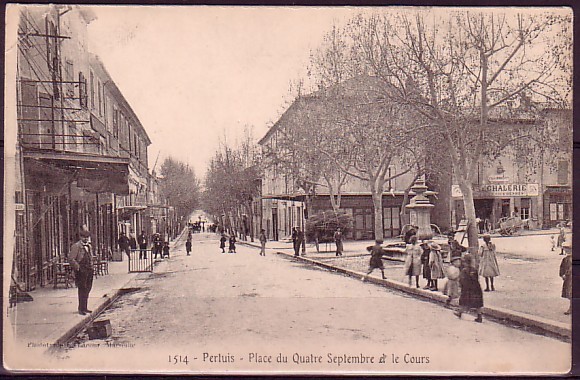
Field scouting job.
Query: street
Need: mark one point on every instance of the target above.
(234, 312)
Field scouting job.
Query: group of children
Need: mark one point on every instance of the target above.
(232, 243)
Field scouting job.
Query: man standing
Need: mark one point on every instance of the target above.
(338, 241)
(81, 261)
(123, 243)
(263, 242)
(298, 241)
(157, 245)
(142, 240)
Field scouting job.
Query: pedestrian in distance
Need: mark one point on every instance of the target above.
(132, 241)
(298, 241)
(566, 274)
(142, 241)
(488, 267)
(451, 289)
(338, 241)
(263, 242)
(165, 249)
(232, 247)
(435, 263)
(471, 297)
(157, 245)
(561, 239)
(124, 244)
(81, 261)
(376, 261)
(294, 237)
(223, 240)
(425, 264)
(188, 247)
(553, 242)
(412, 267)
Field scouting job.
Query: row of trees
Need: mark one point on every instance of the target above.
(180, 187)
(398, 90)
(232, 181)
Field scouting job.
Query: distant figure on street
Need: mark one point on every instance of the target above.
(455, 249)
(451, 289)
(81, 261)
(298, 241)
(553, 242)
(435, 263)
(566, 274)
(123, 243)
(188, 247)
(338, 241)
(263, 242)
(471, 297)
(412, 265)
(232, 247)
(165, 249)
(142, 241)
(425, 264)
(488, 267)
(223, 240)
(157, 245)
(376, 261)
(561, 239)
(132, 240)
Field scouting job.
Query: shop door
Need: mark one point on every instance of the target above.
(275, 224)
(505, 208)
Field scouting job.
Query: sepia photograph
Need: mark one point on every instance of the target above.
(287, 190)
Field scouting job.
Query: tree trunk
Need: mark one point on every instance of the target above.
(472, 237)
(378, 208)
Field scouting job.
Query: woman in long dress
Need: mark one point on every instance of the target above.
(566, 274)
(413, 260)
(471, 295)
(488, 267)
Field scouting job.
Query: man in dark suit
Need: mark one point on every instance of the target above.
(81, 261)
(124, 244)
(142, 241)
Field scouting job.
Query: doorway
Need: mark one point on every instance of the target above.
(274, 224)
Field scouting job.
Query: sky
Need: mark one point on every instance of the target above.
(197, 75)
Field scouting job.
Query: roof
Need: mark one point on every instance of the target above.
(110, 84)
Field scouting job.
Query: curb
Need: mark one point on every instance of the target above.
(540, 324)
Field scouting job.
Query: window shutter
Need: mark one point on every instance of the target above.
(562, 172)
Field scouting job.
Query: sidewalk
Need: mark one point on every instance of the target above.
(527, 291)
(52, 318)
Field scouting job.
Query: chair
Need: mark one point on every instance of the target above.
(100, 265)
(62, 273)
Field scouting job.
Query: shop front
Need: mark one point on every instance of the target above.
(557, 205)
(494, 202)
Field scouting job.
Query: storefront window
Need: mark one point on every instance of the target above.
(525, 208)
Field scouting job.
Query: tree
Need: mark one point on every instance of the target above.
(180, 186)
(462, 72)
(232, 183)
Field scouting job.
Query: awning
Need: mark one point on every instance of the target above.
(93, 173)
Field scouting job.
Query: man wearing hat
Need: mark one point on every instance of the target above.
(566, 274)
(81, 261)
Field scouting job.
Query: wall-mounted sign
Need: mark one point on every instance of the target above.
(499, 178)
(501, 190)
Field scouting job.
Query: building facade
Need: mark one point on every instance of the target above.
(77, 166)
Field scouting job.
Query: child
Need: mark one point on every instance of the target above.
(553, 242)
(188, 246)
(223, 243)
(376, 259)
(232, 248)
(451, 289)
(166, 249)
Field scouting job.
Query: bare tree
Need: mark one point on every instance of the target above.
(462, 72)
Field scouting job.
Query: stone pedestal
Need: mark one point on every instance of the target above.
(420, 211)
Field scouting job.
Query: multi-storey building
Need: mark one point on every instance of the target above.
(81, 151)
(284, 203)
